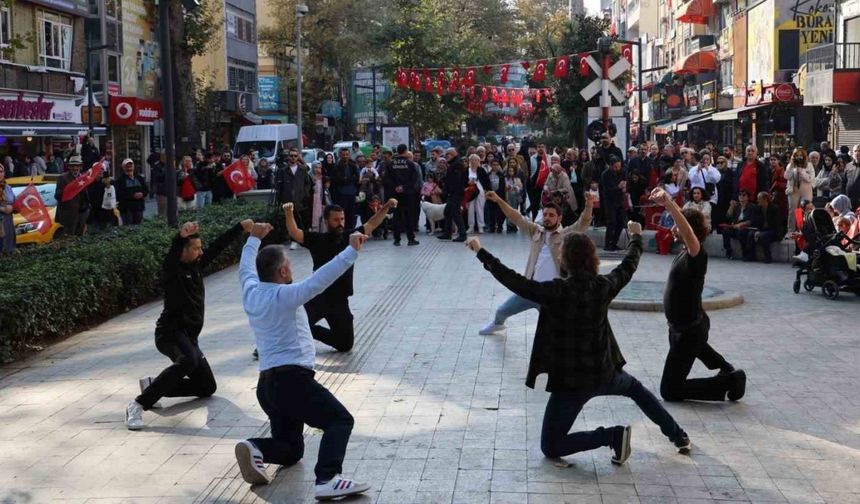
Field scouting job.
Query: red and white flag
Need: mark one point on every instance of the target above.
(32, 207)
(238, 178)
(503, 74)
(627, 53)
(469, 79)
(562, 65)
(540, 71)
(84, 180)
(583, 64)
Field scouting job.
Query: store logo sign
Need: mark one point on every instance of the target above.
(19, 109)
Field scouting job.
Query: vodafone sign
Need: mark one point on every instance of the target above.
(131, 111)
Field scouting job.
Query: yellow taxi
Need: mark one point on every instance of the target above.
(25, 232)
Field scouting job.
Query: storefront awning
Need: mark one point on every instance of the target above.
(666, 127)
(696, 12)
(46, 129)
(696, 63)
(731, 115)
(687, 121)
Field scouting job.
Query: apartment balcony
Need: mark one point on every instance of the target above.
(37, 79)
(832, 74)
(633, 15)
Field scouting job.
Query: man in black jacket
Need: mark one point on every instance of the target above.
(294, 185)
(130, 195)
(605, 151)
(456, 179)
(574, 344)
(612, 186)
(765, 228)
(181, 321)
(400, 179)
(345, 186)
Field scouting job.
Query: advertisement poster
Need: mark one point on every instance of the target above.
(760, 50)
(361, 99)
(140, 62)
(392, 136)
(268, 88)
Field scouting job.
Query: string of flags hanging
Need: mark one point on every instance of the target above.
(463, 81)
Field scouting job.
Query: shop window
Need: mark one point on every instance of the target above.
(726, 73)
(5, 27)
(113, 68)
(55, 40)
(240, 27)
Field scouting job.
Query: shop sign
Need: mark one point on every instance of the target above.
(269, 90)
(784, 93)
(674, 100)
(35, 107)
(709, 96)
(98, 116)
(691, 97)
(131, 111)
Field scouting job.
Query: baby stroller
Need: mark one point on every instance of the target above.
(832, 262)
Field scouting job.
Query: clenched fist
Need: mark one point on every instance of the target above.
(288, 207)
(474, 244)
(356, 240)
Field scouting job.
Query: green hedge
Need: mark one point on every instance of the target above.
(58, 289)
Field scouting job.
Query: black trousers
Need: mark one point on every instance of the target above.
(188, 376)
(685, 346)
(404, 216)
(614, 221)
(292, 398)
(534, 200)
(493, 216)
(349, 208)
(131, 217)
(453, 215)
(336, 312)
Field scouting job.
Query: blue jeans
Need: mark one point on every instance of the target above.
(204, 198)
(514, 305)
(556, 440)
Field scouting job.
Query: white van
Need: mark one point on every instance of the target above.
(268, 140)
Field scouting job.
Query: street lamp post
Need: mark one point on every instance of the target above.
(301, 10)
(89, 77)
(169, 133)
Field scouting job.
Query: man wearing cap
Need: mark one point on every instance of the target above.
(72, 214)
(612, 187)
(131, 194)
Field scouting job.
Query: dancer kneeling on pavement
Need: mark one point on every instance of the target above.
(575, 346)
(688, 322)
(544, 256)
(286, 388)
(332, 304)
(181, 321)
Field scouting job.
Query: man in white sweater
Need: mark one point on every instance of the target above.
(286, 389)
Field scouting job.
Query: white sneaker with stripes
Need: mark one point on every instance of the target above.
(250, 461)
(339, 487)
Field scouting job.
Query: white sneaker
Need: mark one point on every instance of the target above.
(801, 257)
(250, 461)
(294, 245)
(339, 487)
(144, 384)
(491, 328)
(134, 416)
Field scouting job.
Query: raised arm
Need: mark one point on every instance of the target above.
(662, 198)
(379, 216)
(248, 263)
(621, 275)
(539, 292)
(292, 228)
(220, 243)
(511, 213)
(581, 225)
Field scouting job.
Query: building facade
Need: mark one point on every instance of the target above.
(42, 70)
(232, 68)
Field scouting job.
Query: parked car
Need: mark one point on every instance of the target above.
(25, 232)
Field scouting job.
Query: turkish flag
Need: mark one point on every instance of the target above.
(414, 80)
(583, 64)
(537, 95)
(428, 81)
(485, 95)
(238, 178)
(400, 78)
(504, 98)
(469, 79)
(540, 71)
(503, 74)
(495, 95)
(526, 64)
(440, 82)
(547, 93)
(455, 80)
(84, 180)
(561, 67)
(627, 53)
(32, 207)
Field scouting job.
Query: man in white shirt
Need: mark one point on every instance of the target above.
(543, 262)
(286, 389)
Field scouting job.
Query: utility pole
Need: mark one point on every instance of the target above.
(373, 136)
(89, 77)
(169, 133)
(301, 10)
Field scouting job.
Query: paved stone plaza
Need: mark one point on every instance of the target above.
(442, 414)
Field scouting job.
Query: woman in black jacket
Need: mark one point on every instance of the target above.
(574, 344)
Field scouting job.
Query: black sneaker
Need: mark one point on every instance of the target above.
(396, 243)
(738, 386)
(620, 443)
(684, 445)
(412, 243)
(728, 369)
(444, 237)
